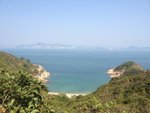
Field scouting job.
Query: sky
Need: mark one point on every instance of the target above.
(93, 23)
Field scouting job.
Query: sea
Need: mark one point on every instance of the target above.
(80, 71)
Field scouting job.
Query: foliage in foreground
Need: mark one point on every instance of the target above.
(21, 93)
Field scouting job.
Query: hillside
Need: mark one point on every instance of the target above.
(127, 68)
(13, 64)
(124, 94)
(22, 88)
(129, 93)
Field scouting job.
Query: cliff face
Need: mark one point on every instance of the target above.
(126, 68)
(112, 73)
(42, 74)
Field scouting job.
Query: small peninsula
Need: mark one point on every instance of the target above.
(126, 68)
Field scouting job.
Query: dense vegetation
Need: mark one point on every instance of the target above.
(21, 92)
(129, 68)
(13, 63)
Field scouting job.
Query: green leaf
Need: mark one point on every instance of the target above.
(35, 111)
(30, 106)
(11, 102)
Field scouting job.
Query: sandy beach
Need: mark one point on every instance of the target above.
(69, 95)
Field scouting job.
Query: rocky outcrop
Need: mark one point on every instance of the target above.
(112, 73)
(42, 74)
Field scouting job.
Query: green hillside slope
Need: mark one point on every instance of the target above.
(21, 91)
(13, 63)
(129, 67)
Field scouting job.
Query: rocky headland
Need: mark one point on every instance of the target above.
(126, 68)
(13, 63)
(41, 74)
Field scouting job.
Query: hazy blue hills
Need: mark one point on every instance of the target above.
(58, 46)
(46, 46)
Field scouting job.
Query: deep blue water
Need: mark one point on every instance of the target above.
(80, 71)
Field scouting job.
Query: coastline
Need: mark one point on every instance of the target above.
(69, 95)
(42, 74)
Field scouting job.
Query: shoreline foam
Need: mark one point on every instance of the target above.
(69, 95)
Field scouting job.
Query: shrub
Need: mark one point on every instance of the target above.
(20, 92)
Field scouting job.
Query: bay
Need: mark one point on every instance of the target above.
(80, 71)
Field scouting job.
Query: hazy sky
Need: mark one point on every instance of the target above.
(104, 23)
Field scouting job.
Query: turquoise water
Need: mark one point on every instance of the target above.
(80, 71)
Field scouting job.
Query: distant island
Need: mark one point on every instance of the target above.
(57, 46)
(46, 46)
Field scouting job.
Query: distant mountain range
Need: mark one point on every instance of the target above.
(132, 48)
(46, 46)
(63, 46)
